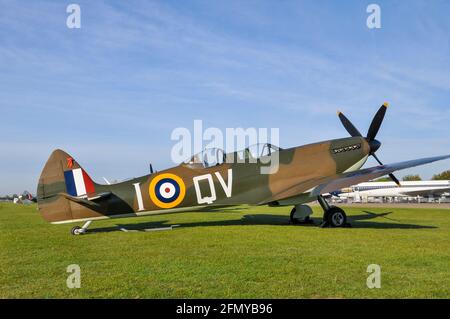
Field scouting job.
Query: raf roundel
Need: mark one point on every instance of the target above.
(167, 190)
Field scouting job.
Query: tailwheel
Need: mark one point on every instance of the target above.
(76, 230)
(336, 217)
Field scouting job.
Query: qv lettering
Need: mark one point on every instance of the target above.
(226, 186)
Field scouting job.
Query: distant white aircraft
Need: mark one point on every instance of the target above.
(390, 189)
(25, 198)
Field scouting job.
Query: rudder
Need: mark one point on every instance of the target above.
(61, 174)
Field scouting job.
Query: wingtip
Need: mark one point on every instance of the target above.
(339, 112)
(386, 104)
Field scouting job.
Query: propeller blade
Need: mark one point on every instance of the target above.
(376, 122)
(351, 129)
(395, 180)
(391, 176)
(376, 158)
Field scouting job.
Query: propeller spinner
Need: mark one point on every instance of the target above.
(371, 133)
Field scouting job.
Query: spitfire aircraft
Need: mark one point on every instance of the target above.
(212, 178)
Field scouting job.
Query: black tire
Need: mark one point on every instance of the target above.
(336, 217)
(326, 213)
(74, 229)
(292, 219)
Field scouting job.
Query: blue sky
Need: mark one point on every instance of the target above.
(111, 92)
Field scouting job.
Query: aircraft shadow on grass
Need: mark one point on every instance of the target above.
(356, 221)
(363, 221)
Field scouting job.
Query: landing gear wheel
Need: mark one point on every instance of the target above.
(307, 221)
(296, 221)
(292, 219)
(336, 217)
(76, 230)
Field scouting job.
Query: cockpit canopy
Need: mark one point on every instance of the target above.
(216, 156)
(262, 149)
(208, 157)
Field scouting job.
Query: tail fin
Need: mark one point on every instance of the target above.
(61, 175)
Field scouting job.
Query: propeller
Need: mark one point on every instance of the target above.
(392, 176)
(351, 129)
(371, 133)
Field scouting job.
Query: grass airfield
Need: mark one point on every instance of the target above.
(242, 252)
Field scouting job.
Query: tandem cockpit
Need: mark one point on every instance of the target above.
(210, 157)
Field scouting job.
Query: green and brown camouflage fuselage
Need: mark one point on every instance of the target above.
(299, 170)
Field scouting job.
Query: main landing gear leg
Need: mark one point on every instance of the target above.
(333, 216)
(77, 230)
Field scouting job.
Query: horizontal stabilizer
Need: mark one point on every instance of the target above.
(91, 202)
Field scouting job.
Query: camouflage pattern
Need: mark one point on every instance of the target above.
(300, 170)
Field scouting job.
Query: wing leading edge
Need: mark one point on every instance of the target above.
(338, 181)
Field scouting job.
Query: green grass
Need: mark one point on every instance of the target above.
(246, 252)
